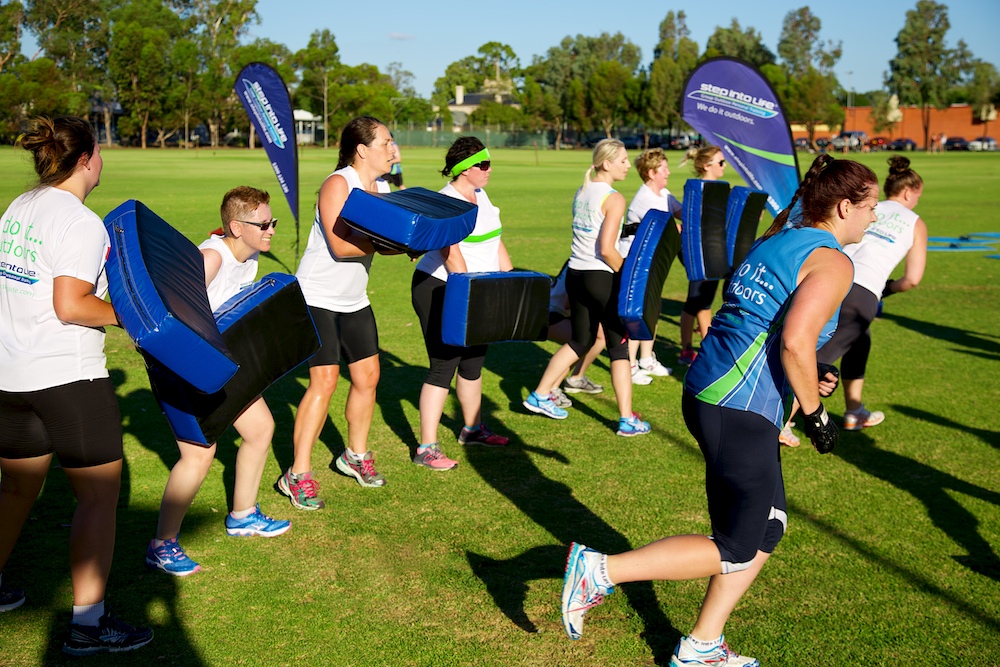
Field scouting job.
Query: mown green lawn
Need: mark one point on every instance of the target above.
(891, 555)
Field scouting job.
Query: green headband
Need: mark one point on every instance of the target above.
(470, 161)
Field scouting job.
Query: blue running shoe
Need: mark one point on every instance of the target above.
(688, 655)
(110, 635)
(10, 598)
(580, 591)
(543, 405)
(630, 426)
(256, 523)
(170, 558)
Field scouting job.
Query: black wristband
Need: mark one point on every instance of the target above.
(887, 291)
(821, 430)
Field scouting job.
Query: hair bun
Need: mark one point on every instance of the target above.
(899, 164)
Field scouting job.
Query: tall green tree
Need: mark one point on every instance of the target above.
(607, 94)
(984, 91)
(800, 46)
(316, 65)
(11, 24)
(736, 42)
(676, 54)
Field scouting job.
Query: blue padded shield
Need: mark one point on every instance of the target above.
(269, 330)
(742, 220)
(703, 235)
(156, 278)
(656, 243)
(494, 307)
(414, 220)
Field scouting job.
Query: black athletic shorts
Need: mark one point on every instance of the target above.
(352, 336)
(79, 422)
(427, 297)
(746, 493)
(593, 298)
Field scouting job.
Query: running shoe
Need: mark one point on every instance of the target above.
(432, 457)
(481, 436)
(560, 399)
(301, 489)
(861, 418)
(10, 598)
(170, 558)
(686, 655)
(630, 426)
(653, 367)
(687, 357)
(580, 591)
(363, 470)
(544, 406)
(582, 384)
(639, 376)
(256, 523)
(787, 438)
(110, 635)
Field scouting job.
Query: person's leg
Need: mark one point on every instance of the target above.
(182, 486)
(21, 481)
(432, 400)
(92, 537)
(557, 368)
(676, 558)
(724, 591)
(470, 397)
(852, 394)
(314, 408)
(591, 355)
(621, 381)
(256, 428)
(687, 330)
(360, 407)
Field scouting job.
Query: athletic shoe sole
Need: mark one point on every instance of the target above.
(254, 532)
(156, 566)
(542, 411)
(343, 467)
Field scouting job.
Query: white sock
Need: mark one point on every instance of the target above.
(712, 643)
(355, 457)
(88, 614)
(242, 514)
(601, 572)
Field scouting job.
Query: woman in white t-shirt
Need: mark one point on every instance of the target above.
(333, 274)
(55, 394)
(592, 283)
(652, 195)
(468, 165)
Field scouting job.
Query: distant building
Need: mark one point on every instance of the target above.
(307, 125)
(462, 106)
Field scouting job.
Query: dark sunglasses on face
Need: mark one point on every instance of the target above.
(721, 163)
(263, 226)
(483, 166)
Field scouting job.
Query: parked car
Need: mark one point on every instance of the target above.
(822, 143)
(983, 144)
(878, 143)
(902, 144)
(956, 144)
(802, 144)
(851, 140)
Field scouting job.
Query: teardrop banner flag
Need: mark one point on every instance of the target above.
(265, 98)
(730, 103)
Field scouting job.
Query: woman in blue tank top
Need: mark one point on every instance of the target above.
(760, 352)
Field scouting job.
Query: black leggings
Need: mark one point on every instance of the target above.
(746, 494)
(852, 340)
(427, 296)
(701, 294)
(593, 300)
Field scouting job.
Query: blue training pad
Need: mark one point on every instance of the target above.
(656, 243)
(270, 332)
(414, 220)
(703, 235)
(494, 307)
(156, 279)
(742, 219)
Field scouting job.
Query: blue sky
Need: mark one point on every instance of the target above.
(427, 36)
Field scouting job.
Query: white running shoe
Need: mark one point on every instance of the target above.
(639, 376)
(652, 366)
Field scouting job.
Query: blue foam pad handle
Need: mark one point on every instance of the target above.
(644, 272)
(156, 279)
(495, 307)
(270, 331)
(415, 220)
(742, 219)
(703, 236)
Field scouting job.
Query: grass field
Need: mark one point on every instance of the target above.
(892, 551)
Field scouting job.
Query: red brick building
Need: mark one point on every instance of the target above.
(958, 120)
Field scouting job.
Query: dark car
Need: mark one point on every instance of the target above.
(902, 144)
(822, 143)
(878, 143)
(802, 144)
(956, 144)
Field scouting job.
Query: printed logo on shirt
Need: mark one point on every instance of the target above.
(752, 286)
(17, 250)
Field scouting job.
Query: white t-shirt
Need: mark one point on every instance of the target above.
(585, 252)
(883, 246)
(233, 276)
(339, 285)
(481, 248)
(45, 234)
(644, 201)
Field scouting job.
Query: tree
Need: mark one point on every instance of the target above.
(885, 113)
(925, 69)
(316, 65)
(607, 94)
(675, 56)
(746, 44)
(800, 47)
(984, 91)
(11, 22)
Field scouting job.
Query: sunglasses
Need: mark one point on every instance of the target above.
(483, 166)
(263, 226)
(721, 163)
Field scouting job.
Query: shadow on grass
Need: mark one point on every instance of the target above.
(138, 595)
(930, 487)
(983, 345)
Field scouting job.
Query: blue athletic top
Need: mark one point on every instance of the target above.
(739, 365)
